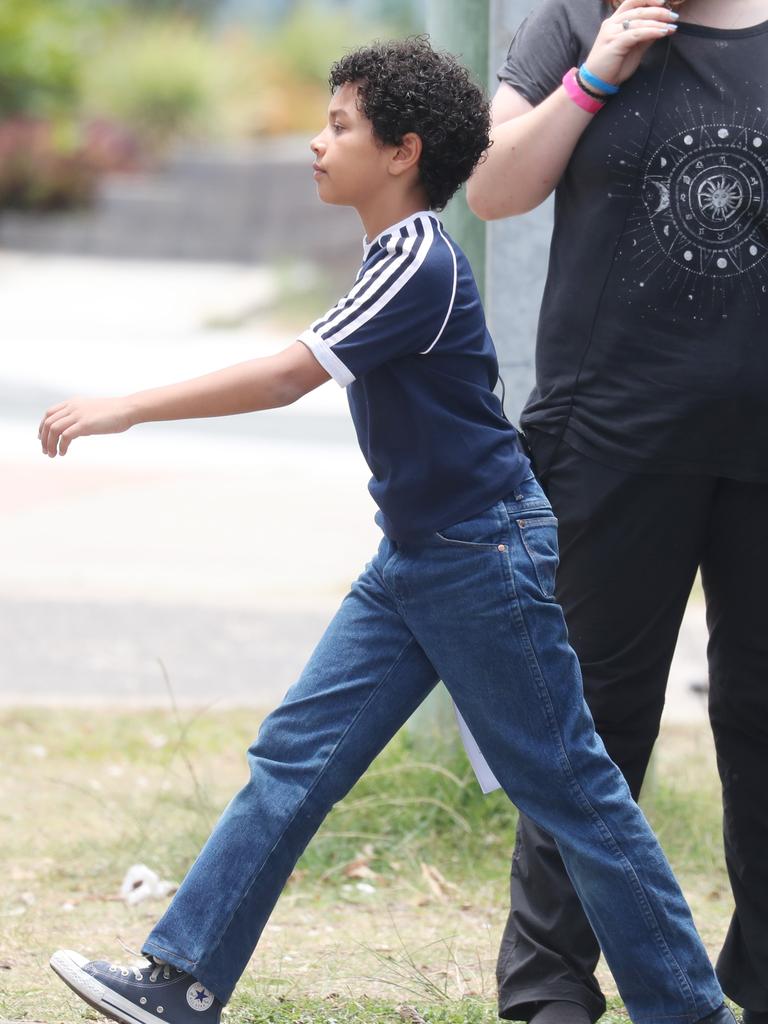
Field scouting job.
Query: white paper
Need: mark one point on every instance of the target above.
(486, 778)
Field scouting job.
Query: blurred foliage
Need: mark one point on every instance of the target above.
(310, 39)
(276, 82)
(49, 156)
(50, 165)
(41, 42)
(40, 169)
(201, 9)
(159, 78)
(93, 85)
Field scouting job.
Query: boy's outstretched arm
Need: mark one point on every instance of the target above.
(266, 383)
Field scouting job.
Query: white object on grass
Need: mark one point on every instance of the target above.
(141, 882)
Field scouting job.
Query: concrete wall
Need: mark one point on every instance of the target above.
(253, 204)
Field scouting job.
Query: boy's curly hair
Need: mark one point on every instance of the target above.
(406, 86)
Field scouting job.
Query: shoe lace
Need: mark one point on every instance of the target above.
(158, 967)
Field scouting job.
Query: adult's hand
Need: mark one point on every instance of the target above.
(532, 145)
(618, 50)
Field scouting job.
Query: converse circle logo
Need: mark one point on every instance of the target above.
(198, 997)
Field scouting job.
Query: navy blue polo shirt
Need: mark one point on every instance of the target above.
(410, 344)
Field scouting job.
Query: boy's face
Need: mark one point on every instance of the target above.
(350, 163)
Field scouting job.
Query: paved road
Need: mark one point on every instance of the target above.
(86, 653)
(221, 548)
(101, 653)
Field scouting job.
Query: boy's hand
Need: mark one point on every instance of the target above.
(80, 417)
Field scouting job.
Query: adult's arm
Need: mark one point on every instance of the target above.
(531, 149)
(532, 145)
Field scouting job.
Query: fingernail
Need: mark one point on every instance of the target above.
(674, 14)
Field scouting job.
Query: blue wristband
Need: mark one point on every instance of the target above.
(597, 83)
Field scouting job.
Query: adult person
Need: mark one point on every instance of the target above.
(648, 423)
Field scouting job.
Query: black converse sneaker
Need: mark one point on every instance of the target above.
(154, 992)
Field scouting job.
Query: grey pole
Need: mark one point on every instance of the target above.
(508, 257)
(517, 251)
(462, 27)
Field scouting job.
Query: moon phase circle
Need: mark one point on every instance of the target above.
(705, 192)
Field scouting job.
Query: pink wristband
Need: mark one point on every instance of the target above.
(577, 94)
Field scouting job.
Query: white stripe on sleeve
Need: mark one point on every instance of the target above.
(370, 280)
(327, 358)
(402, 270)
(453, 292)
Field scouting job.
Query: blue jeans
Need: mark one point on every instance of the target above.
(473, 606)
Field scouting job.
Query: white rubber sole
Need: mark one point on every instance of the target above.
(69, 967)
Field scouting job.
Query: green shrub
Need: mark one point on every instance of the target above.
(42, 168)
(159, 79)
(276, 80)
(53, 165)
(311, 39)
(41, 42)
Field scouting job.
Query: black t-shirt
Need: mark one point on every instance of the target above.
(652, 346)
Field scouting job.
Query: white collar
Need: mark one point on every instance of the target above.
(393, 228)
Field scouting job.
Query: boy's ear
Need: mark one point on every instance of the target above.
(407, 154)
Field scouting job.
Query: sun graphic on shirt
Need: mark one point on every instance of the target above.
(720, 197)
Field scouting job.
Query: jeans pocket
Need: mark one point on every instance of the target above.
(481, 532)
(539, 536)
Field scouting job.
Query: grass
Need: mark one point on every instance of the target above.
(394, 913)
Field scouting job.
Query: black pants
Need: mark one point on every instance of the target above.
(630, 546)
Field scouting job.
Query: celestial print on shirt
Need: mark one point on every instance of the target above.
(705, 195)
(701, 226)
(652, 348)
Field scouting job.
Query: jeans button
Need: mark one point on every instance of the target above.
(502, 547)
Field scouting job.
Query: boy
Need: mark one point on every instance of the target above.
(460, 589)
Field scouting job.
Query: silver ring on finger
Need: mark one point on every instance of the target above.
(626, 25)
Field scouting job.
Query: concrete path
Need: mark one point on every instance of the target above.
(220, 549)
